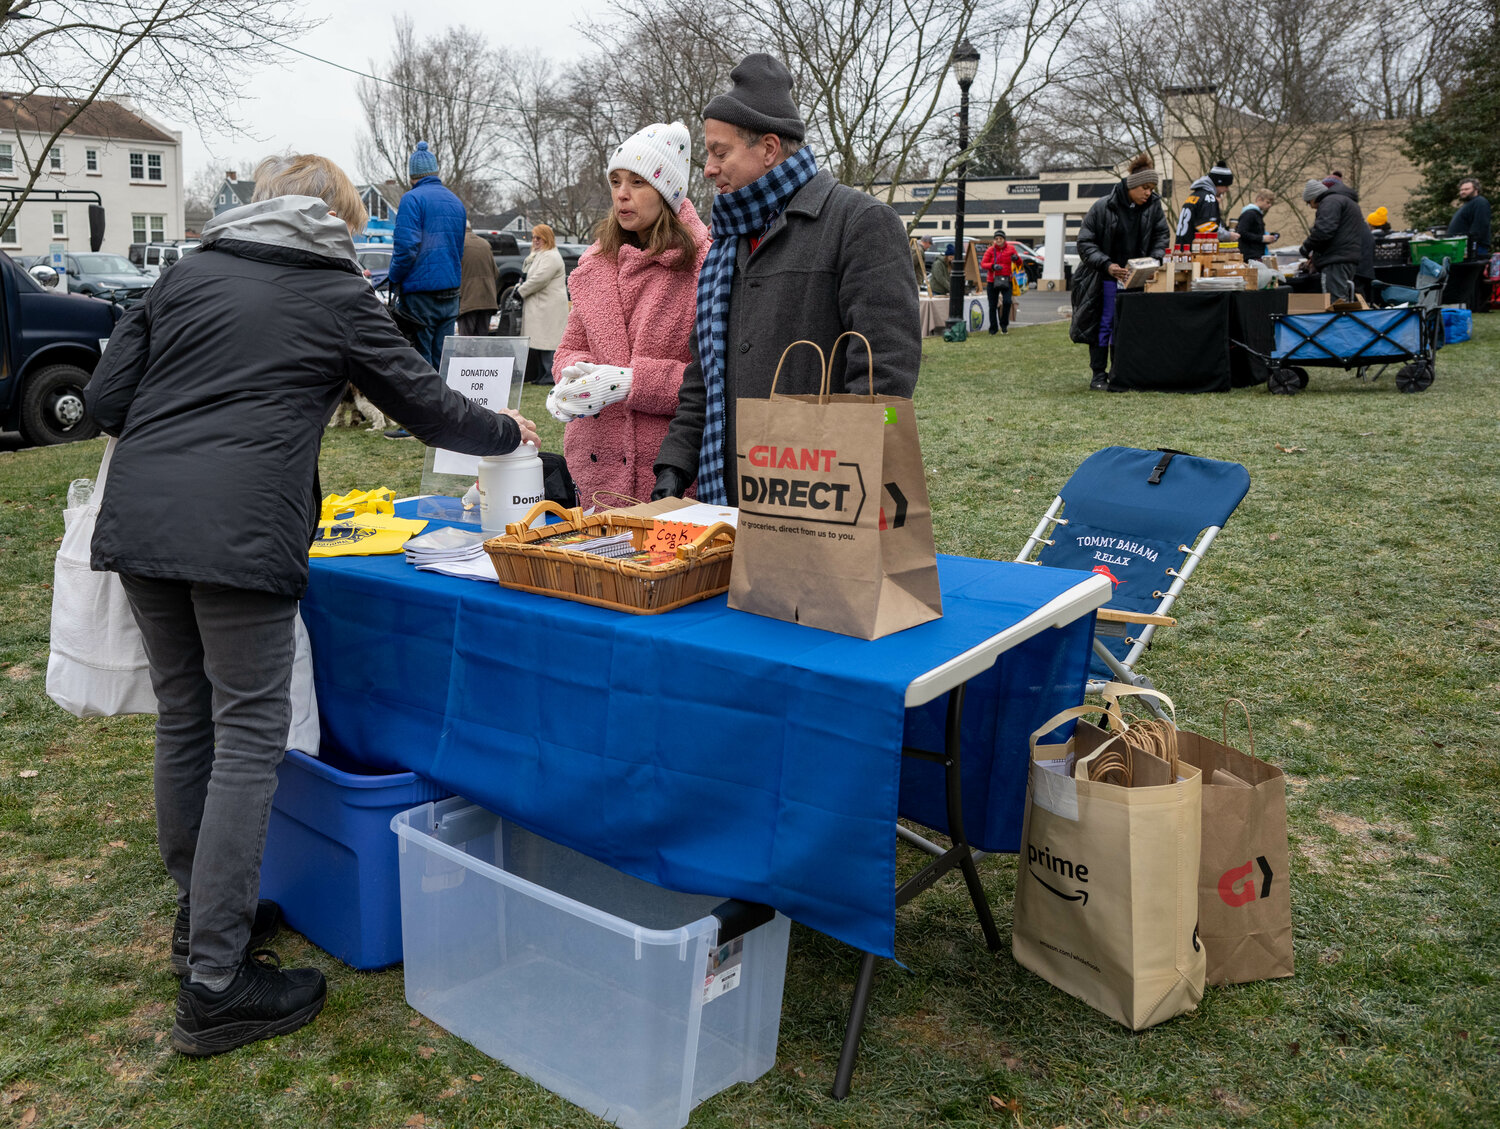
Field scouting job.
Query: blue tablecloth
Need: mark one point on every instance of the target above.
(706, 750)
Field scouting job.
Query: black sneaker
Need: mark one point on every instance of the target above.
(263, 1000)
(263, 930)
(398, 433)
(1100, 383)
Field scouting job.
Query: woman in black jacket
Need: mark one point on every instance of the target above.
(218, 388)
(1127, 224)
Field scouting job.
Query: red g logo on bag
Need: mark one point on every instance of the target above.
(1234, 888)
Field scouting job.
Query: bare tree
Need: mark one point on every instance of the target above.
(871, 75)
(661, 63)
(447, 91)
(59, 56)
(554, 158)
(1281, 96)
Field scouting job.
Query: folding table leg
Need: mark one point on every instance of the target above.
(850, 1050)
(960, 855)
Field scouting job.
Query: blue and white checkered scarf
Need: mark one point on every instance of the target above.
(746, 211)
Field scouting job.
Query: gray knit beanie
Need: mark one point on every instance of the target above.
(1314, 190)
(759, 99)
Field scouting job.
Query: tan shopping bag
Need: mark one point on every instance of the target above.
(835, 529)
(1244, 892)
(1106, 890)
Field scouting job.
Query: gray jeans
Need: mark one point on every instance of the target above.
(1338, 282)
(221, 666)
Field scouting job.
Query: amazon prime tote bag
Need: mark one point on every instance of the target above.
(1107, 884)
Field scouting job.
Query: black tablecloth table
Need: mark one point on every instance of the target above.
(1184, 342)
(1461, 289)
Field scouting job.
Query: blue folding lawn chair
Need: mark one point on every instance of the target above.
(1143, 520)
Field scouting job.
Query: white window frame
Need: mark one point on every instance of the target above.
(59, 225)
(7, 159)
(137, 160)
(91, 161)
(55, 159)
(8, 235)
(138, 228)
(155, 169)
(158, 228)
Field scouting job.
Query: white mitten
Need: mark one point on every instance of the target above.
(592, 390)
(556, 409)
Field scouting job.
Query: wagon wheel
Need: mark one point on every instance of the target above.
(1301, 376)
(1285, 381)
(1415, 377)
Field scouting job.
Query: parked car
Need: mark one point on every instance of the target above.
(375, 260)
(51, 342)
(1070, 259)
(511, 252)
(105, 275)
(157, 257)
(1029, 261)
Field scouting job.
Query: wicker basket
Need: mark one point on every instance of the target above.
(700, 570)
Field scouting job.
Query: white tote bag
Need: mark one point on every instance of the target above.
(97, 664)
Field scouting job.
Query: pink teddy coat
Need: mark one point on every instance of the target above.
(637, 313)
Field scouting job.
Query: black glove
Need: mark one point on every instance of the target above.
(670, 483)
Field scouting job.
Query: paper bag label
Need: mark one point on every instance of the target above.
(801, 482)
(1241, 885)
(1066, 878)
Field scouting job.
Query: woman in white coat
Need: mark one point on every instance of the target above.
(545, 293)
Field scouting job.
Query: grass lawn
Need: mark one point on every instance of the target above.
(1351, 601)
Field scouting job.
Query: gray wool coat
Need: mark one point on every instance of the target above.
(835, 259)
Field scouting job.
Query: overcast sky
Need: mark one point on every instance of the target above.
(309, 106)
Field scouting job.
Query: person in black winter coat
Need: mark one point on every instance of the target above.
(1127, 224)
(1340, 243)
(1251, 228)
(1473, 217)
(218, 387)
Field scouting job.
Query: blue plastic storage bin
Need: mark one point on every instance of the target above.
(1458, 325)
(330, 856)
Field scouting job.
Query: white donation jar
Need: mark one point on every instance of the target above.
(509, 485)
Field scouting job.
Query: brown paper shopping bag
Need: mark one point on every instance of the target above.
(835, 529)
(1244, 892)
(1106, 892)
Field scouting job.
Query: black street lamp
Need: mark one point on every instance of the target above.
(965, 67)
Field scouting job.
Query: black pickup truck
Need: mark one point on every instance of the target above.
(50, 342)
(511, 252)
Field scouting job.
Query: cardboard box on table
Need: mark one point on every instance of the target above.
(1307, 303)
(1174, 277)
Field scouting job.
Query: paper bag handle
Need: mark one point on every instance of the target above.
(1066, 715)
(869, 358)
(626, 498)
(1224, 723)
(1114, 691)
(822, 362)
(545, 506)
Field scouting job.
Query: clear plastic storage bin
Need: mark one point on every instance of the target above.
(629, 1000)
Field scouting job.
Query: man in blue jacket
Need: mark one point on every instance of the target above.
(426, 267)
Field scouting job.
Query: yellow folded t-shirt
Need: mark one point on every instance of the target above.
(364, 535)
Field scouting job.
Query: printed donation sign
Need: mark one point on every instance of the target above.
(486, 381)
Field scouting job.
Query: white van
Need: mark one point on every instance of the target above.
(159, 256)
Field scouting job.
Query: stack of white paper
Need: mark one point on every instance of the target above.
(452, 552)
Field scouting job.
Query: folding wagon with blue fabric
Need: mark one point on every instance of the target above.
(1368, 341)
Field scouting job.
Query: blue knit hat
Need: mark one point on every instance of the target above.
(422, 162)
